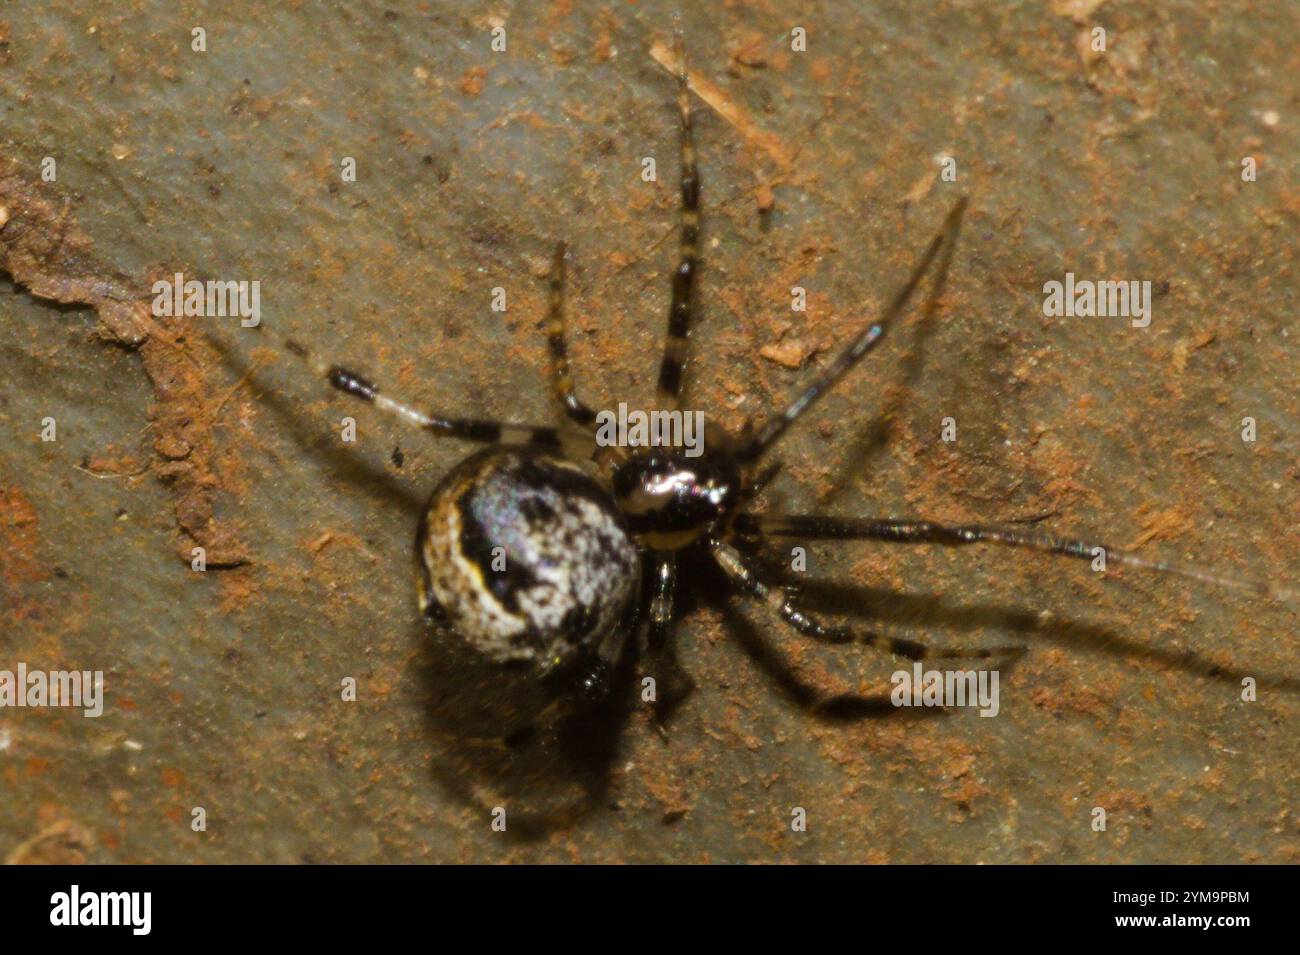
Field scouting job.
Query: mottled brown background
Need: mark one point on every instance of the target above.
(223, 687)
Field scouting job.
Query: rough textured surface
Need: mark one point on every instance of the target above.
(820, 171)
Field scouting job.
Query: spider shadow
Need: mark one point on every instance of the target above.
(776, 664)
(307, 432)
(803, 692)
(504, 740)
(866, 442)
(926, 611)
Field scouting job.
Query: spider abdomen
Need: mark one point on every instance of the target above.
(525, 557)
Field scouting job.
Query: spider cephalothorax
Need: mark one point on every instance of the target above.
(548, 561)
(671, 501)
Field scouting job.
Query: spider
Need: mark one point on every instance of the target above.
(545, 550)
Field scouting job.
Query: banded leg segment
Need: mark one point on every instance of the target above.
(469, 429)
(663, 596)
(672, 683)
(943, 243)
(743, 575)
(561, 376)
(597, 679)
(682, 307)
(819, 527)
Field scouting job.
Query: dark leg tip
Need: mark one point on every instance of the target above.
(352, 383)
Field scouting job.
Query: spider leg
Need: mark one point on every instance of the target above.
(764, 477)
(672, 683)
(941, 247)
(561, 376)
(681, 309)
(470, 429)
(814, 689)
(596, 679)
(743, 575)
(819, 527)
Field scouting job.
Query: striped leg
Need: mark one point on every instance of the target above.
(816, 527)
(944, 242)
(469, 429)
(749, 582)
(664, 595)
(672, 683)
(596, 679)
(561, 377)
(681, 309)
(815, 690)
